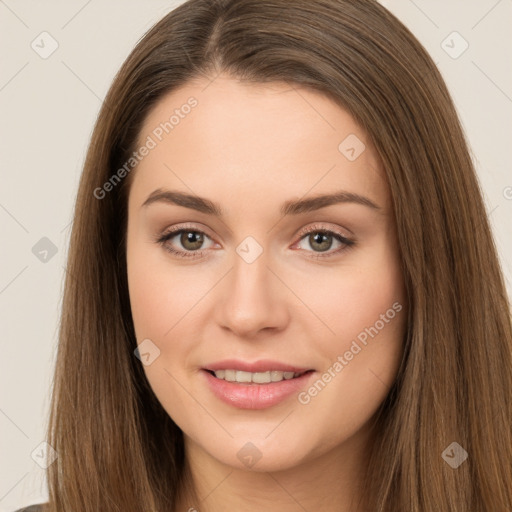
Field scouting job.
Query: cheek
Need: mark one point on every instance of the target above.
(367, 311)
(151, 298)
(161, 303)
(160, 297)
(167, 304)
(352, 297)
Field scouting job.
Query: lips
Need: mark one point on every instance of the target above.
(255, 385)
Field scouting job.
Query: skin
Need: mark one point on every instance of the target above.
(250, 148)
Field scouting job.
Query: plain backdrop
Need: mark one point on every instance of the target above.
(48, 108)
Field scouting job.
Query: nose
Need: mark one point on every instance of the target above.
(252, 299)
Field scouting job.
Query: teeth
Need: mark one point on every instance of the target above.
(257, 377)
(261, 378)
(229, 375)
(243, 376)
(276, 376)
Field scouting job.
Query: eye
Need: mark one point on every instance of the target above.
(191, 241)
(321, 240)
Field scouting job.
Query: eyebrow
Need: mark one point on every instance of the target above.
(204, 205)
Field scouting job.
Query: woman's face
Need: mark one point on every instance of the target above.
(285, 281)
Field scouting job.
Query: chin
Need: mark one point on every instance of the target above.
(257, 454)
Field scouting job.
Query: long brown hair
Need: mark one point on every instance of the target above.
(117, 448)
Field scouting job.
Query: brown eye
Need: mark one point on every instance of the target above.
(185, 242)
(191, 240)
(320, 241)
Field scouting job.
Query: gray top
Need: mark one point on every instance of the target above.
(32, 508)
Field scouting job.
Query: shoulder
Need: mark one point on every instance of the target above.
(32, 508)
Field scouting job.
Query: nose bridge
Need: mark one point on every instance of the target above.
(250, 277)
(253, 300)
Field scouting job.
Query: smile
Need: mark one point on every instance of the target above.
(243, 377)
(256, 385)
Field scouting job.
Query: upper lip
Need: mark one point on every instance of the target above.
(263, 365)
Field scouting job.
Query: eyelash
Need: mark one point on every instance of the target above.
(165, 237)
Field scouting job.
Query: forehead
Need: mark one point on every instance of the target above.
(260, 139)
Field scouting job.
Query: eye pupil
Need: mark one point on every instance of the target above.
(191, 237)
(320, 239)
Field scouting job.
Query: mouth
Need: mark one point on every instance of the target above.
(256, 385)
(244, 377)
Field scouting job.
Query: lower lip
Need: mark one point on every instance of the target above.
(255, 396)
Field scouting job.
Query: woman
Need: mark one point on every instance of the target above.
(282, 290)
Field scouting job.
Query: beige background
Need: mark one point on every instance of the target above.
(48, 109)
